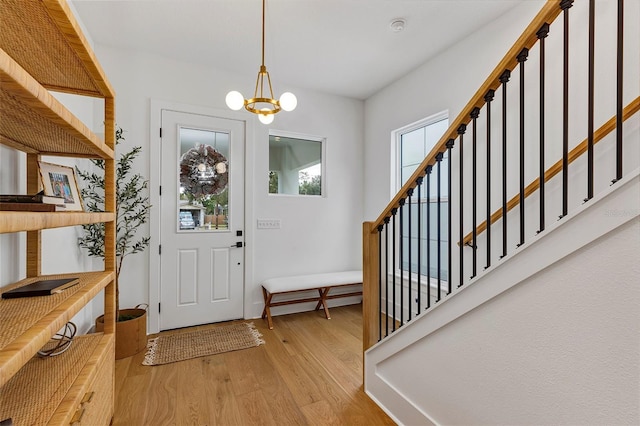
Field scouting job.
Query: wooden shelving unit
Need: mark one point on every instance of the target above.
(43, 49)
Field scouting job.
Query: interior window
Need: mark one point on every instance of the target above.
(295, 164)
(413, 143)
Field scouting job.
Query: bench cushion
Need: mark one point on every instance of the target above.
(308, 282)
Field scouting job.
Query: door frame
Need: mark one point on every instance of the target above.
(155, 120)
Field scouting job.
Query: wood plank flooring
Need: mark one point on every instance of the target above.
(309, 372)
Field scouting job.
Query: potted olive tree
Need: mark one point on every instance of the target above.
(132, 211)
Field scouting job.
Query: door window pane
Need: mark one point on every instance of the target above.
(203, 198)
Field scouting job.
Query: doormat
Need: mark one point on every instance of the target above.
(209, 341)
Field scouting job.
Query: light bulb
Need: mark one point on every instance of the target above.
(265, 118)
(234, 100)
(288, 101)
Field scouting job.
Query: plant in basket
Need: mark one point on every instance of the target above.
(132, 211)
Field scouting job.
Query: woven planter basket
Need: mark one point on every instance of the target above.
(131, 335)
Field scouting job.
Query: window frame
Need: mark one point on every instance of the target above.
(323, 161)
(396, 182)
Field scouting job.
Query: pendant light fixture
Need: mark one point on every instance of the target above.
(265, 107)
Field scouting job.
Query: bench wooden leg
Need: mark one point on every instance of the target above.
(266, 312)
(323, 301)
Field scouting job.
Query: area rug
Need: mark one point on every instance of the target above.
(209, 341)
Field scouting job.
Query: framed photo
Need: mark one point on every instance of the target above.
(60, 181)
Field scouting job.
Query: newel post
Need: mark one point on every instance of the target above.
(370, 287)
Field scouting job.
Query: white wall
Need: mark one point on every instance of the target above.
(548, 338)
(12, 246)
(518, 358)
(447, 82)
(317, 234)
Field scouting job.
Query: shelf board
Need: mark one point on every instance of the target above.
(33, 395)
(68, 63)
(19, 221)
(28, 323)
(34, 121)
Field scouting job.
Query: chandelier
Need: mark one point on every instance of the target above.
(264, 107)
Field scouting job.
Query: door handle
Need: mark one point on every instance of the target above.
(238, 244)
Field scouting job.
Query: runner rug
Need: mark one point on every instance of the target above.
(210, 341)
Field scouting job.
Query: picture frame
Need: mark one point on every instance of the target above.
(60, 181)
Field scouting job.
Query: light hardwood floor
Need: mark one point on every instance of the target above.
(309, 372)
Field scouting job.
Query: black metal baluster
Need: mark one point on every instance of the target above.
(386, 275)
(565, 5)
(429, 169)
(504, 79)
(461, 130)
(439, 220)
(380, 227)
(419, 295)
(393, 266)
(522, 57)
(590, 101)
(409, 301)
(450, 143)
(401, 261)
(475, 113)
(619, 86)
(488, 98)
(542, 35)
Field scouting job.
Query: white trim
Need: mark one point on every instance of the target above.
(155, 121)
(395, 144)
(423, 122)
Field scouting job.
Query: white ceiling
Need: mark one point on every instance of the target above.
(343, 47)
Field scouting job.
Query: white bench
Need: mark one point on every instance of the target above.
(320, 282)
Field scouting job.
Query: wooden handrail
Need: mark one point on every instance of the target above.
(576, 152)
(547, 14)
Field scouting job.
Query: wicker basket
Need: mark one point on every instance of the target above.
(131, 335)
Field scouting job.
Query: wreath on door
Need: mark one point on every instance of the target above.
(203, 171)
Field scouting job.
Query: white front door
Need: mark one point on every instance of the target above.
(202, 219)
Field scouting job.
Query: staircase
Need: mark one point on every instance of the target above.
(537, 320)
